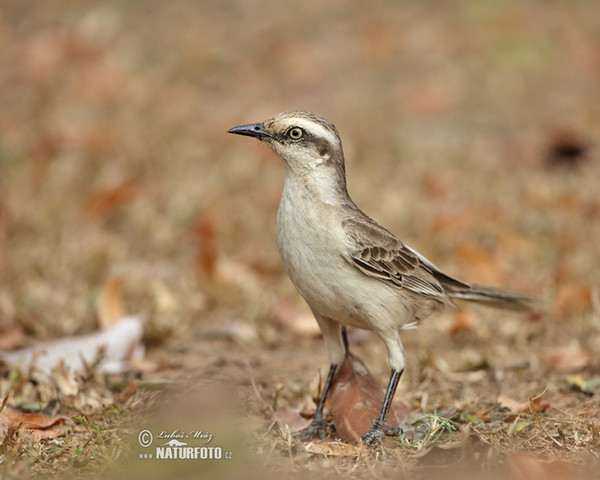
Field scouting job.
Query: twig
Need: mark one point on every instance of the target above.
(537, 417)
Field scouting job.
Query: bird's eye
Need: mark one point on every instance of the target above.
(295, 133)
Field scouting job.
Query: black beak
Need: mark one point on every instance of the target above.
(256, 130)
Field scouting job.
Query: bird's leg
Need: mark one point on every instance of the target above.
(345, 340)
(380, 427)
(336, 350)
(318, 425)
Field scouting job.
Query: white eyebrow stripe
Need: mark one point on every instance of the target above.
(315, 129)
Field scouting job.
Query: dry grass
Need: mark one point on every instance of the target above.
(462, 122)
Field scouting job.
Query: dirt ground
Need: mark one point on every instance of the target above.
(470, 131)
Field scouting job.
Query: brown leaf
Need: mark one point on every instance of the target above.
(356, 399)
(572, 298)
(463, 321)
(110, 306)
(566, 359)
(333, 449)
(298, 320)
(11, 337)
(204, 235)
(516, 406)
(480, 265)
(291, 418)
(38, 425)
(105, 201)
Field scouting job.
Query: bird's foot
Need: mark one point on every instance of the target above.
(317, 429)
(379, 430)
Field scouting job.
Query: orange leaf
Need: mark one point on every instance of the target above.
(206, 256)
(566, 359)
(572, 298)
(11, 337)
(107, 200)
(110, 306)
(463, 321)
(38, 425)
(481, 266)
(356, 399)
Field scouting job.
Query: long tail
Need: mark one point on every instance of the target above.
(494, 297)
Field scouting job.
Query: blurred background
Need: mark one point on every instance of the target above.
(467, 127)
(470, 131)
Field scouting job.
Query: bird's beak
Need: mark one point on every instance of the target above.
(251, 130)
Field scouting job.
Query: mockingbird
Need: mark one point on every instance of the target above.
(350, 270)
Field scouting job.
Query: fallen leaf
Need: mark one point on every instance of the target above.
(516, 406)
(356, 399)
(462, 321)
(11, 336)
(480, 265)
(578, 383)
(567, 358)
(107, 200)
(238, 274)
(572, 298)
(164, 298)
(37, 425)
(297, 320)
(110, 306)
(333, 449)
(204, 235)
(65, 380)
(291, 418)
(484, 415)
(118, 342)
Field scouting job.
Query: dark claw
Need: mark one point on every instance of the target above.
(379, 430)
(316, 429)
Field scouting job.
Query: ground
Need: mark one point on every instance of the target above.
(470, 131)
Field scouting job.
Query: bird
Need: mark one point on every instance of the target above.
(350, 270)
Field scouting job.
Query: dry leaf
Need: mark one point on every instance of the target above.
(464, 219)
(107, 200)
(11, 336)
(572, 298)
(480, 265)
(118, 344)
(333, 449)
(298, 320)
(462, 321)
(206, 257)
(516, 406)
(566, 359)
(578, 383)
(291, 418)
(110, 307)
(38, 425)
(164, 298)
(356, 399)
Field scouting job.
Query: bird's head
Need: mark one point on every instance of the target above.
(303, 141)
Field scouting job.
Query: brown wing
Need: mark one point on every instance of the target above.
(377, 253)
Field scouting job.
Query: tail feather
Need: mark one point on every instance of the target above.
(494, 297)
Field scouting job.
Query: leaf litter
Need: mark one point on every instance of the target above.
(491, 189)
